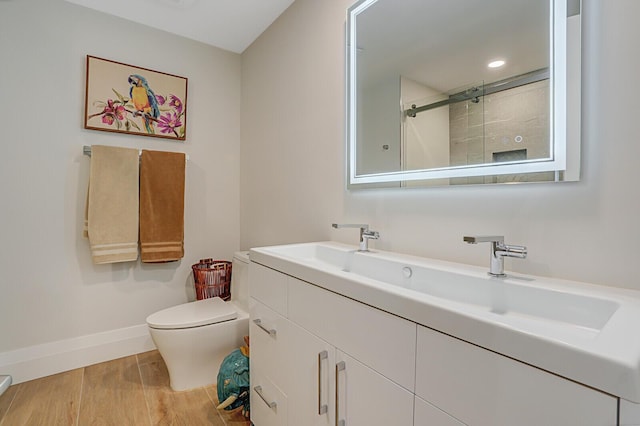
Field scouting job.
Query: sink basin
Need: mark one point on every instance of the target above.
(322, 255)
(580, 331)
(504, 297)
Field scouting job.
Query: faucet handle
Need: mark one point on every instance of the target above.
(510, 250)
(372, 235)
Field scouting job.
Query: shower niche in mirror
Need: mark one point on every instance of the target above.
(463, 92)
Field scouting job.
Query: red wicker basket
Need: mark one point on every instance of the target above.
(212, 279)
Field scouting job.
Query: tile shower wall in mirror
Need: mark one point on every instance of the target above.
(516, 128)
(509, 125)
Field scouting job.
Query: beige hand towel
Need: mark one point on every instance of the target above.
(162, 176)
(111, 222)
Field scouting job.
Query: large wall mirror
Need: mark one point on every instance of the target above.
(450, 92)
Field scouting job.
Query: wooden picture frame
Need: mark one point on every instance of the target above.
(124, 98)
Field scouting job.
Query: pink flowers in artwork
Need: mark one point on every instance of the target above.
(113, 112)
(175, 103)
(120, 112)
(169, 122)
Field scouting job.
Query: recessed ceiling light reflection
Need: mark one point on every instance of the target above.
(496, 64)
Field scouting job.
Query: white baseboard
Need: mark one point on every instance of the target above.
(43, 360)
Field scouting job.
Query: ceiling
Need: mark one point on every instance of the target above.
(446, 45)
(228, 24)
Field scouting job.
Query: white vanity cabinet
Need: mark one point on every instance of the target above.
(325, 383)
(295, 362)
(327, 355)
(268, 332)
(311, 385)
(365, 397)
(322, 359)
(268, 402)
(481, 388)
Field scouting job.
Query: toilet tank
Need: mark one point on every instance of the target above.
(240, 279)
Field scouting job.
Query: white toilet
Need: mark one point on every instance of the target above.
(193, 338)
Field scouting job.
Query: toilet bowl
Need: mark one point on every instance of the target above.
(193, 338)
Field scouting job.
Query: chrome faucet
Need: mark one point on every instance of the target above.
(365, 233)
(499, 250)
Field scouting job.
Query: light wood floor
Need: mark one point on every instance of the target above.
(128, 391)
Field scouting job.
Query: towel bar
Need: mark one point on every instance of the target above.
(86, 150)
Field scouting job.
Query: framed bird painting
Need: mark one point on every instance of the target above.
(128, 99)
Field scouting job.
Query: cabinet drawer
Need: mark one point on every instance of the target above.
(382, 341)
(269, 287)
(482, 388)
(268, 333)
(268, 402)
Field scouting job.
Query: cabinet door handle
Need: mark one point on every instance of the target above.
(322, 408)
(270, 331)
(273, 405)
(341, 366)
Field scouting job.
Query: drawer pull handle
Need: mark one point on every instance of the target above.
(322, 408)
(273, 405)
(271, 332)
(341, 366)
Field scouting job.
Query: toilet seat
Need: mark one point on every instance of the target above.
(193, 314)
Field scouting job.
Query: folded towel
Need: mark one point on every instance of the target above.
(162, 176)
(111, 221)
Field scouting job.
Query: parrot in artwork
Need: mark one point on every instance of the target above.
(144, 100)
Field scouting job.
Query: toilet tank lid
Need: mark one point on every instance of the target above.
(193, 314)
(242, 256)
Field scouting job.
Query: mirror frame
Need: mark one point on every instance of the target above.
(558, 113)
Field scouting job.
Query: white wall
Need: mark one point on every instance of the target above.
(292, 152)
(49, 288)
(379, 119)
(292, 160)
